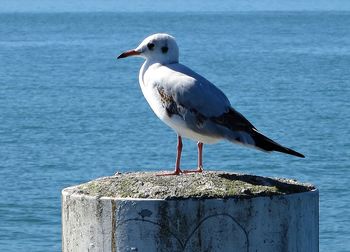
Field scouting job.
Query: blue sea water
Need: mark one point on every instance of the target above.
(70, 112)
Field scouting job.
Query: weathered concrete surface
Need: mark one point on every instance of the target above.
(205, 185)
(213, 211)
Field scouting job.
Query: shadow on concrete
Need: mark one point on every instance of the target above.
(286, 186)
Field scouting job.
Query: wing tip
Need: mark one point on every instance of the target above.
(267, 144)
(295, 153)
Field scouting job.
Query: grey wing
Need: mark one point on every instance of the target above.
(230, 124)
(198, 93)
(204, 108)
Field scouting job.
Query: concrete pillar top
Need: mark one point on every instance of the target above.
(206, 185)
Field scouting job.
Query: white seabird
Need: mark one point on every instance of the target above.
(190, 104)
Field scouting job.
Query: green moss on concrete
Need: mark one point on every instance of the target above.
(199, 185)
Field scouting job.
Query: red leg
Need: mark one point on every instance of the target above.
(200, 156)
(200, 159)
(177, 170)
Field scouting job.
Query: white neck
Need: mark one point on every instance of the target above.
(143, 70)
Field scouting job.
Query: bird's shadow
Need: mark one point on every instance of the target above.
(284, 185)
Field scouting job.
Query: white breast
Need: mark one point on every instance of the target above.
(151, 93)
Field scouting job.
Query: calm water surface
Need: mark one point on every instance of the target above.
(69, 112)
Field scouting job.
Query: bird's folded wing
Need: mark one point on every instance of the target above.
(192, 91)
(201, 104)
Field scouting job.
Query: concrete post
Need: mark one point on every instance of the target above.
(213, 211)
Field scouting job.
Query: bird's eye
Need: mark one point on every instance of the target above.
(165, 49)
(150, 46)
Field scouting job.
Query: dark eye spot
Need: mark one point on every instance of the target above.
(150, 46)
(165, 49)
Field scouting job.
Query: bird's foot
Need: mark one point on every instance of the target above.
(176, 172)
(199, 170)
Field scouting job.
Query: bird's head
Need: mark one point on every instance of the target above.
(157, 48)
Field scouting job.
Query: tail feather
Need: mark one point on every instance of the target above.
(266, 144)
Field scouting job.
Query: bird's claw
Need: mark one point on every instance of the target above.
(199, 170)
(176, 172)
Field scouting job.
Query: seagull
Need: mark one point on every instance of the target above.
(190, 104)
